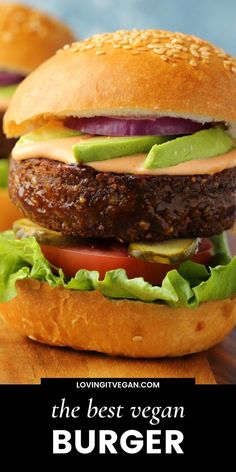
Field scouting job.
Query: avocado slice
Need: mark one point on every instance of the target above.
(201, 145)
(7, 91)
(164, 252)
(102, 148)
(52, 130)
(3, 173)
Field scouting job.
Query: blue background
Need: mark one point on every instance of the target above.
(214, 20)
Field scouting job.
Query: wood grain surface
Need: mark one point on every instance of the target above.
(222, 359)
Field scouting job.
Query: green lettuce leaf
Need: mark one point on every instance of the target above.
(190, 285)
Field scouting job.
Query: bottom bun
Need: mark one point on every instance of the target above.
(8, 212)
(89, 321)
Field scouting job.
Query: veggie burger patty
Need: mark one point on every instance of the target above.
(79, 201)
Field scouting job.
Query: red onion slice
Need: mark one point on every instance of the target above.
(106, 126)
(10, 78)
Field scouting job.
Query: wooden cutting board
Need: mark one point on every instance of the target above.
(23, 361)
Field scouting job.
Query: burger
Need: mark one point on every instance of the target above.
(125, 171)
(27, 38)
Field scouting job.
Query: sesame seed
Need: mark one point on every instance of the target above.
(177, 41)
(204, 49)
(193, 63)
(183, 48)
(178, 47)
(159, 51)
(194, 53)
(205, 53)
(227, 66)
(171, 47)
(153, 46)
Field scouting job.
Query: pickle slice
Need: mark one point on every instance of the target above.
(25, 228)
(164, 252)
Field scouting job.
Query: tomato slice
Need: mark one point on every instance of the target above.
(112, 256)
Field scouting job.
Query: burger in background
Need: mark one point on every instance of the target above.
(27, 38)
(126, 173)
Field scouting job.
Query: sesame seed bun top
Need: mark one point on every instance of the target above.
(28, 37)
(137, 73)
